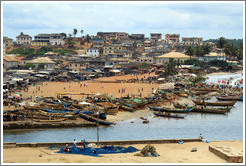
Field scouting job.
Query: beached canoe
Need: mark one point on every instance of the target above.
(213, 103)
(55, 120)
(168, 115)
(230, 98)
(93, 119)
(163, 109)
(211, 110)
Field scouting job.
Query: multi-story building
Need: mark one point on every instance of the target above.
(147, 43)
(155, 36)
(122, 35)
(8, 42)
(192, 40)
(94, 52)
(53, 39)
(172, 37)
(78, 65)
(23, 39)
(137, 36)
(113, 50)
(4, 49)
(113, 35)
(98, 42)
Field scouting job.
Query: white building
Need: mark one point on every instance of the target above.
(23, 39)
(92, 52)
(213, 56)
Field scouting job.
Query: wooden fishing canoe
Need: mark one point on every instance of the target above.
(214, 103)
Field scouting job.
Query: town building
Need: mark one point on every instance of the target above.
(8, 42)
(92, 52)
(155, 36)
(42, 63)
(10, 62)
(23, 39)
(4, 49)
(213, 56)
(53, 39)
(77, 65)
(145, 59)
(113, 35)
(172, 37)
(147, 43)
(137, 36)
(165, 58)
(98, 42)
(192, 40)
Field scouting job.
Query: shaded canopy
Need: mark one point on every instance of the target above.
(166, 86)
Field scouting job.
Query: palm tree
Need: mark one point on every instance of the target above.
(75, 31)
(190, 51)
(82, 31)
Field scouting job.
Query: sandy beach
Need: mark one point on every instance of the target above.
(225, 73)
(94, 87)
(169, 153)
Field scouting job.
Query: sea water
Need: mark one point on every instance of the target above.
(211, 126)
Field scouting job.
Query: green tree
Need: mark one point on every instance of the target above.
(82, 31)
(144, 65)
(70, 41)
(197, 79)
(87, 38)
(75, 31)
(221, 43)
(194, 61)
(64, 34)
(190, 51)
(29, 65)
(170, 68)
(218, 63)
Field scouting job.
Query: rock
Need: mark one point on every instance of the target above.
(132, 122)
(194, 150)
(145, 121)
(40, 155)
(143, 118)
(149, 151)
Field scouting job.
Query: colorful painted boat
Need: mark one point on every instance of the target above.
(93, 119)
(168, 115)
(163, 109)
(213, 103)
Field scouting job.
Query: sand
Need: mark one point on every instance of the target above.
(93, 87)
(225, 73)
(169, 153)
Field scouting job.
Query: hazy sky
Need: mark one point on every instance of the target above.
(207, 20)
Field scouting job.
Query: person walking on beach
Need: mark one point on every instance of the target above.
(84, 143)
(102, 85)
(74, 142)
(200, 137)
(119, 90)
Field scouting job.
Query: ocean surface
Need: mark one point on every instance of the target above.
(212, 126)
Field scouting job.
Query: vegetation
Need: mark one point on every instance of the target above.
(64, 34)
(75, 31)
(218, 63)
(144, 65)
(190, 51)
(170, 69)
(87, 38)
(29, 65)
(70, 41)
(194, 62)
(82, 31)
(197, 79)
(233, 41)
(23, 52)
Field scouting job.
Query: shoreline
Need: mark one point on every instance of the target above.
(225, 73)
(169, 153)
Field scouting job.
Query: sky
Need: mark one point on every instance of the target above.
(207, 20)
